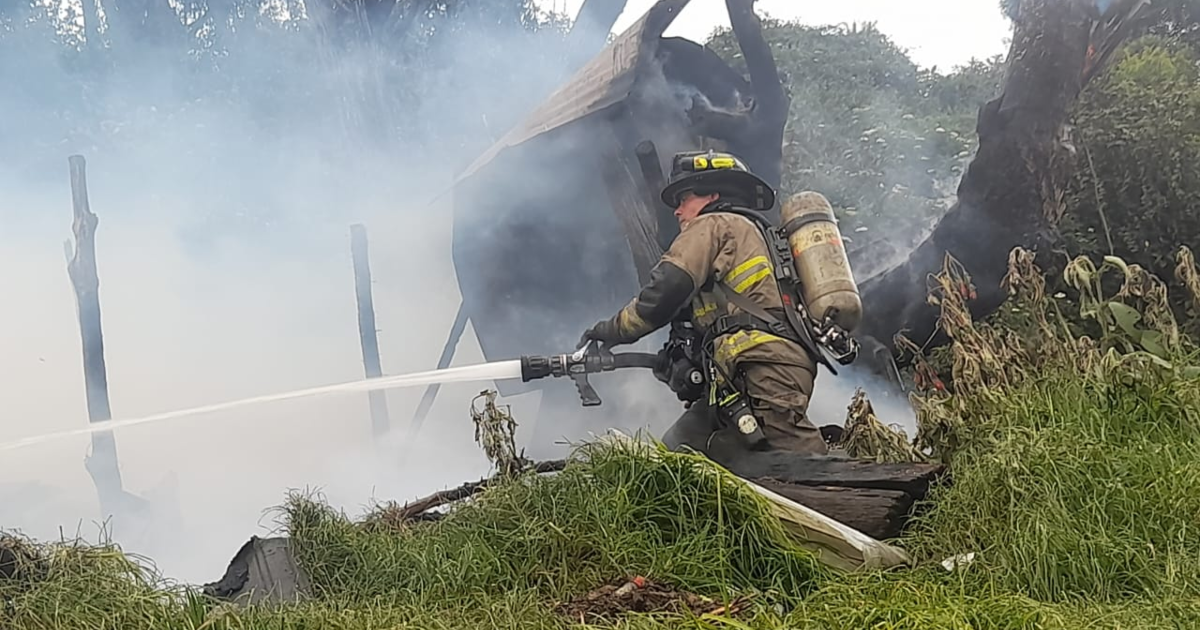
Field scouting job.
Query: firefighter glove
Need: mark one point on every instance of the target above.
(607, 332)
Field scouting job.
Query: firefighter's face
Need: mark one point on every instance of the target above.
(690, 205)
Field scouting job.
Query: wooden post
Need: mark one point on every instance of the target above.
(652, 177)
(366, 326)
(102, 463)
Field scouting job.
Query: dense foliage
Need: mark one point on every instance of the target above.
(1137, 191)
(354, 81)
(885, 140)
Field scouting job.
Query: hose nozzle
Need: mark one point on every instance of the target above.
(589, 359)
(592, 358)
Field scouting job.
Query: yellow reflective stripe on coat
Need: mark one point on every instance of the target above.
(748, 274)
(703, 305)
(742, 286)
(747, 266)
(737, 343)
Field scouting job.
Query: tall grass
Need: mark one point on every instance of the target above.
(1079, 490)
(616, 513)
(1076, 485)
(1080, 473)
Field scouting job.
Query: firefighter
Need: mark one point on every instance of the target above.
(720, 250)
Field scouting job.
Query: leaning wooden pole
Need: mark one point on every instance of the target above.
(431, 391)
(102, 463)
(366, 327)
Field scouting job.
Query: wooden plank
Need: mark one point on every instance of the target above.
(880, 514)
(367, 332)
(808, 470)
(652, 183)
(836, 544)
(102, 464)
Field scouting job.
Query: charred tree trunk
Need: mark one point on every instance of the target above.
(101, 464)
(756, 132)
(763, 139)
(91, 24)
(1013, 191)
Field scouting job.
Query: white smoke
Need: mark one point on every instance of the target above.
(225, 272)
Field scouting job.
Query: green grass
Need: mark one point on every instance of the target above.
(1081, 499)
(618, 514)
(1077, 489)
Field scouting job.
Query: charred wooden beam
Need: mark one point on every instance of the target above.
(653, 182)
(876, 499)
(638, 214)
(842, 472)
(431, 391)
(418, 507)
(880, 514)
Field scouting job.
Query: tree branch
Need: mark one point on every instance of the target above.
(771, 100)
(414, 509)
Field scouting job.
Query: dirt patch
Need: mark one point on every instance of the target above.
(638, 595)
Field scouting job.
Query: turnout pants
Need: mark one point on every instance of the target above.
(779, 395)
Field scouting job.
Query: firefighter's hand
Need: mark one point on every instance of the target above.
(605, 332)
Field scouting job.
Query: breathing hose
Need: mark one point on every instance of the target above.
(635, 360)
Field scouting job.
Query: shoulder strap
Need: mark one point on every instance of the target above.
(744, 303)
(798, 336)
(779, 253)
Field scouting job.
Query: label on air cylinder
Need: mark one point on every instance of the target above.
(815, 237)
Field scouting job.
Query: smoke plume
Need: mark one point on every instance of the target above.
(226, 165)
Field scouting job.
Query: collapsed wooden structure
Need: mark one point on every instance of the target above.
(557, 223)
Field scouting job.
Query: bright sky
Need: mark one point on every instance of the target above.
(945, 33)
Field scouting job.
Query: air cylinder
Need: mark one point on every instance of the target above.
(821, 262)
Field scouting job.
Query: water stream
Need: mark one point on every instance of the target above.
(482, 372)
